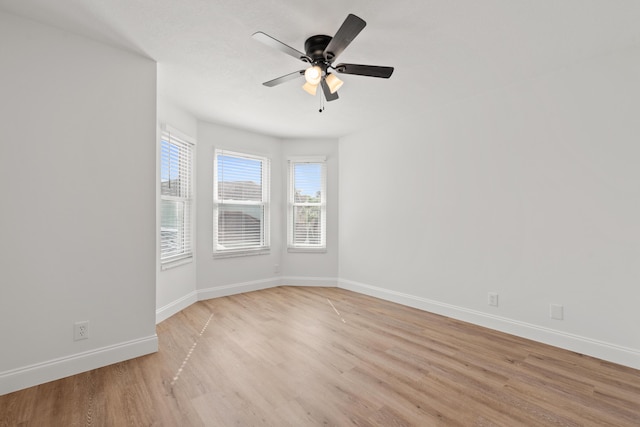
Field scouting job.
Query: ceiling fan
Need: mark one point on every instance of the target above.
(320, 53)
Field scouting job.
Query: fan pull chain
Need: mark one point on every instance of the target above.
(321, 103)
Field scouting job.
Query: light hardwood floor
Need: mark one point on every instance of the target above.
(323, 356)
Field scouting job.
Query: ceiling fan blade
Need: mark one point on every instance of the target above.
(284, 78)
(350, 28)
(277, 44)
(327, 92)
(365, 70)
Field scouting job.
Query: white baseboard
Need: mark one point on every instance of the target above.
(51, 370)
(256, 285)
(328, 282)
(174, 307)
(237, 288)
(584, 345)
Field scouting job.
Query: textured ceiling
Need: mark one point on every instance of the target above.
(442, 51)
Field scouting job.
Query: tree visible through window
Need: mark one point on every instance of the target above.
(241, 203)
(307, 204)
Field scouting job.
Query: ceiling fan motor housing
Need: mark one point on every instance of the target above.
(315, 46)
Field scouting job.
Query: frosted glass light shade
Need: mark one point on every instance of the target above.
(333, 82)
(313, 75)
(310, 89)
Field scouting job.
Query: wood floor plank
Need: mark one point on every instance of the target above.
(292, 356)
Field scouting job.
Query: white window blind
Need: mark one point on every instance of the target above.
(176, 192)
(307, 204)
(241, 203)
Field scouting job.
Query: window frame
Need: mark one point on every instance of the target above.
(184, 142)
(265, 204)
(292, 204)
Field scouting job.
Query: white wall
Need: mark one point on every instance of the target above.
(78, 204)
(531, 192)
(176, 286)
(319, 269)
(224, 276)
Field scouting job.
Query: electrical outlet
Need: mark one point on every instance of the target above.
(556, 311)
(81, 330)
(493, 299)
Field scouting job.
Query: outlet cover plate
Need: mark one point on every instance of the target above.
(556, 311)
(493, 299)
(81, 330)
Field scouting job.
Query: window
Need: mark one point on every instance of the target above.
(307, 204)
(241, 204)
(176, 157)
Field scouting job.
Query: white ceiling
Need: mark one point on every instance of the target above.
(442, 51)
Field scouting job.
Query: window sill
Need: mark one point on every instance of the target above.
(234, 254)
(307, 250)
(167, 265)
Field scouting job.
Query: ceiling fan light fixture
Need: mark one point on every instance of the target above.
(333, 82)
(313, 75)
(309, 88)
